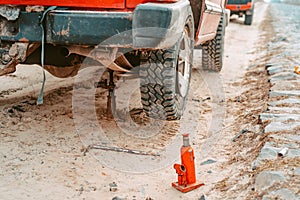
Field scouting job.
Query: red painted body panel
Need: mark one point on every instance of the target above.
(239, 7)
(118, 4)
(134, 3)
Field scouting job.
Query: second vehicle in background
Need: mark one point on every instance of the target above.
(240, 8)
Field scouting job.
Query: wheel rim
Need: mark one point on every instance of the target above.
(184, 65)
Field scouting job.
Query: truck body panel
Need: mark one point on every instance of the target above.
(116, 4)
(239, 5)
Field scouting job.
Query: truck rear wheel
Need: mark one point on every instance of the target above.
(212, 51)
(248, 19)
(165, 77)
(249, 16)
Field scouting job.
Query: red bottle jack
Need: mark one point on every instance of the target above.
(186, 170)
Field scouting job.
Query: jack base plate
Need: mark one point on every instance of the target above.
(188, 187)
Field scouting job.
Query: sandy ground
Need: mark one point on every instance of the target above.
(43, 148)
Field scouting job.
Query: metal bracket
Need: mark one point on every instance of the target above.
(111, 98)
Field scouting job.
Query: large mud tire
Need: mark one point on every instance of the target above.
(212, 51)
(165, 77)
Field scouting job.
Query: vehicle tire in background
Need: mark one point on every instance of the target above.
(165, 77)
(249, 18)
(212, 51)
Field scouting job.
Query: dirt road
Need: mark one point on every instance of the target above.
(42, 147)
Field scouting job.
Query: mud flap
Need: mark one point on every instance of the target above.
(40, 97)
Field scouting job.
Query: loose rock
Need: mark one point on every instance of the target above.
(280, 126)
(268, 153)
(203, 197)
(266, 179)
(283, 193)
(293, 153)
(276, 93)
(208, 161)
(297, 171)
(113, 187)
(118, 198)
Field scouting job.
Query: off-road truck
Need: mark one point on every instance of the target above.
(241, 8)
(157, 36)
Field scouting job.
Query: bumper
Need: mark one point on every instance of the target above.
(149, 26)
(159, 25)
